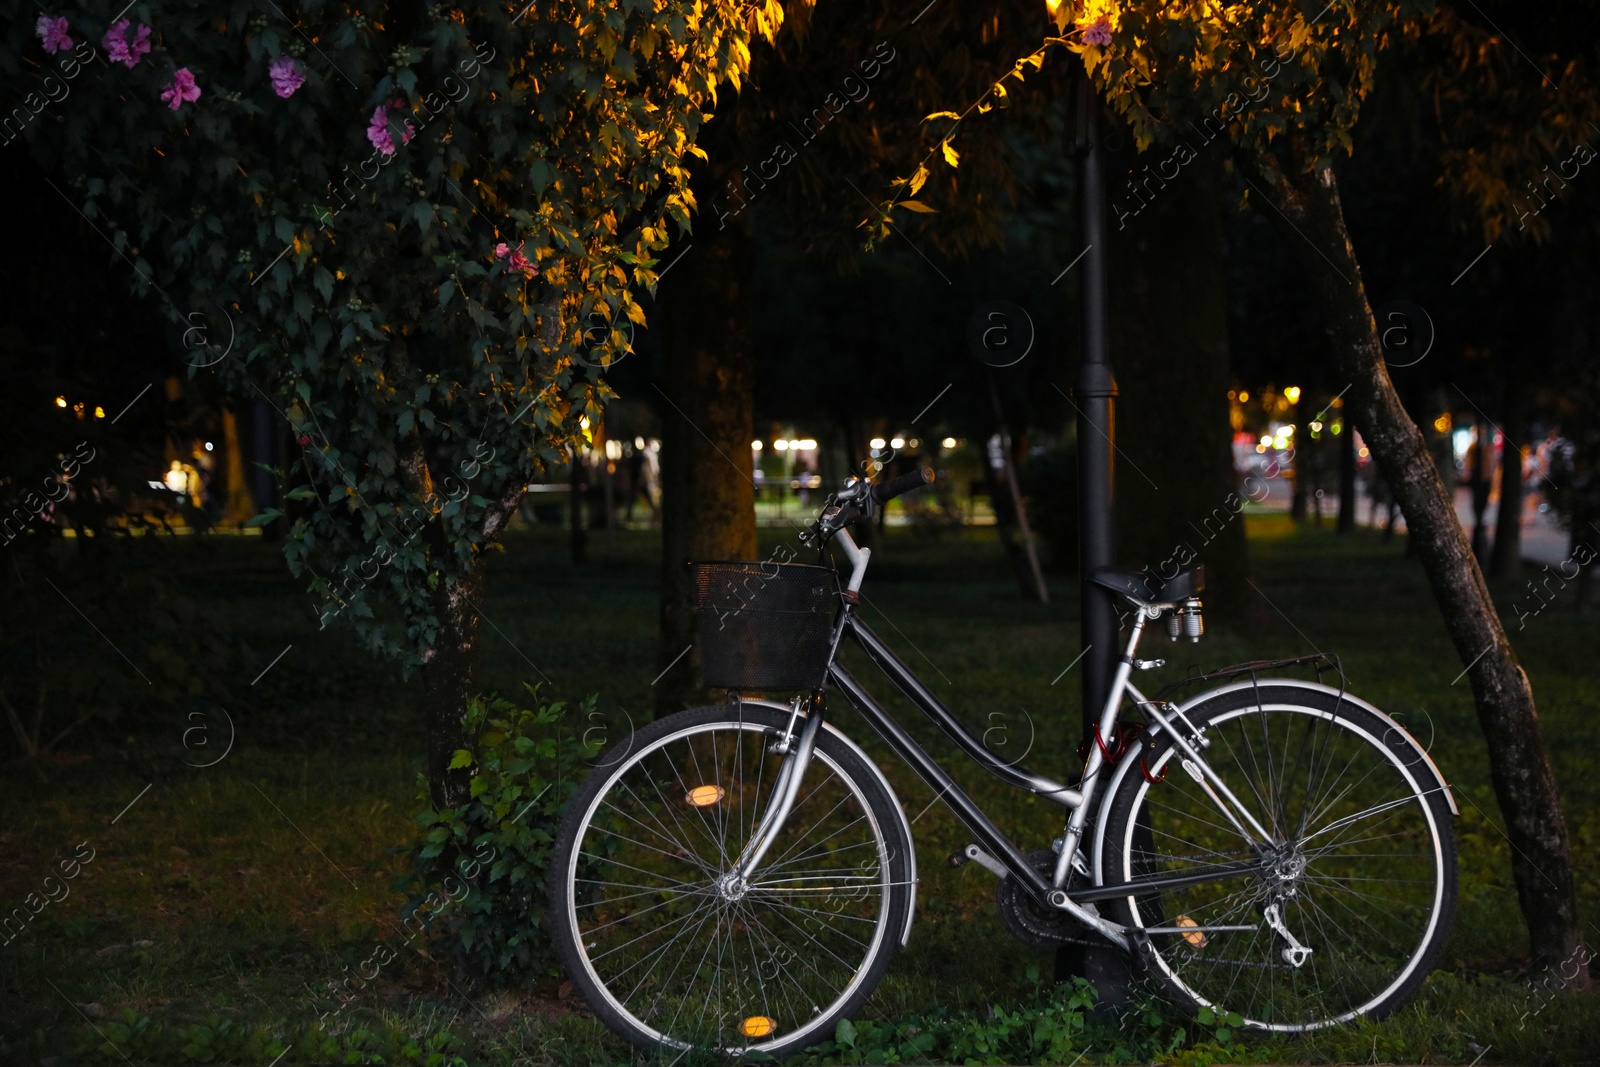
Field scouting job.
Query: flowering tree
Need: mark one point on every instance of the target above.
(424, 223)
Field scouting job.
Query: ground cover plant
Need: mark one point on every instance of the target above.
(249, 907)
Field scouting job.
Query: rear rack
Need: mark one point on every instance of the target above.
(1321, 662)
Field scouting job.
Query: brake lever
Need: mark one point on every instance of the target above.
(850, 504)
(815, 535)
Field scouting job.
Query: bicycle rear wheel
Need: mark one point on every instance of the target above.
(1360, 868)
(664, 950)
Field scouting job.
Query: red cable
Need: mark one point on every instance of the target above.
(1144, 769)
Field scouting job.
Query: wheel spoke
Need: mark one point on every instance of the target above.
(693, 958)
(1357, 883)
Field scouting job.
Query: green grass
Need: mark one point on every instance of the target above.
(258, 881)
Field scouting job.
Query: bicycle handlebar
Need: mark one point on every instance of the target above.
(858, 500)
(887, 491)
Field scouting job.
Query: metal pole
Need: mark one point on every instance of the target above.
(1095, 391)
(1101, 965)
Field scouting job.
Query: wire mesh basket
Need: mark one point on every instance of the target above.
(764, 626)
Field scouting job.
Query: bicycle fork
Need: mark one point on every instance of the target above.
(785, 791)
(797, 753)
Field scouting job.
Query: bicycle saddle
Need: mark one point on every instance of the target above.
(1145, 587)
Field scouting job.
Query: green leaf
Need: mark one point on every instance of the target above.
(462, 758)
(265, 517)
(845, 1033)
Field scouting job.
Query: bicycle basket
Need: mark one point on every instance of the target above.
(764, 626)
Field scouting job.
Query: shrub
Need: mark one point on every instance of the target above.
(477, 881)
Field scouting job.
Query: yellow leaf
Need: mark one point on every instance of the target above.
(918, 179)
(918, 206)
(942, 115)
(950, 155)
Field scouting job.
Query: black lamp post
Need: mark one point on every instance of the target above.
(1095, 392)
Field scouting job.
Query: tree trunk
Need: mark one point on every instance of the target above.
(1585, 570)
(1005, 523)
(1031, 579)
(1347, 478)
(1506, 562)
(449, 676)
(1172, 380)
(707, 473)
(1300, 477)
(576, 484)
(1519, 767)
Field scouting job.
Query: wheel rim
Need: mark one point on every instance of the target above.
(1357, 870)
(690, 959)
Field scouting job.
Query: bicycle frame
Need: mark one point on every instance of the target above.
(1078, 800)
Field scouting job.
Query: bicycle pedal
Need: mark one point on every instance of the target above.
(973, 854)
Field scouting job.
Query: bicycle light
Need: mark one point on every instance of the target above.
(1186, 621)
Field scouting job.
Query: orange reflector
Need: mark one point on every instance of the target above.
(756, 1025)
(1197, 938)
(703, 796)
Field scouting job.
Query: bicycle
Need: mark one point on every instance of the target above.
(738, 877)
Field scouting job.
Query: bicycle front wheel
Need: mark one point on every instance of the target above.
(665, 949)
(1359, 867)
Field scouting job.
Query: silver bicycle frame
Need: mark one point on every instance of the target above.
(1080, 903)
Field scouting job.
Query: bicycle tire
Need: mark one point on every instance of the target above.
(1339, 774)
(787, 964)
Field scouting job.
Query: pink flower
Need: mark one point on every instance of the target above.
(517, 261)
(53, 32)
(1097, 33)
(378, 130)
(182, 88)
(286, 77)
(120, 48)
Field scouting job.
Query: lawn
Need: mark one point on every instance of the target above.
(217, 904)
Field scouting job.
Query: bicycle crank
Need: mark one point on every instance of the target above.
(1032, 922)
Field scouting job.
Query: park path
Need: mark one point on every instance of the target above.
(1543, 541)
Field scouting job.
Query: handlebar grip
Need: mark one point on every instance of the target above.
(887, 491)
